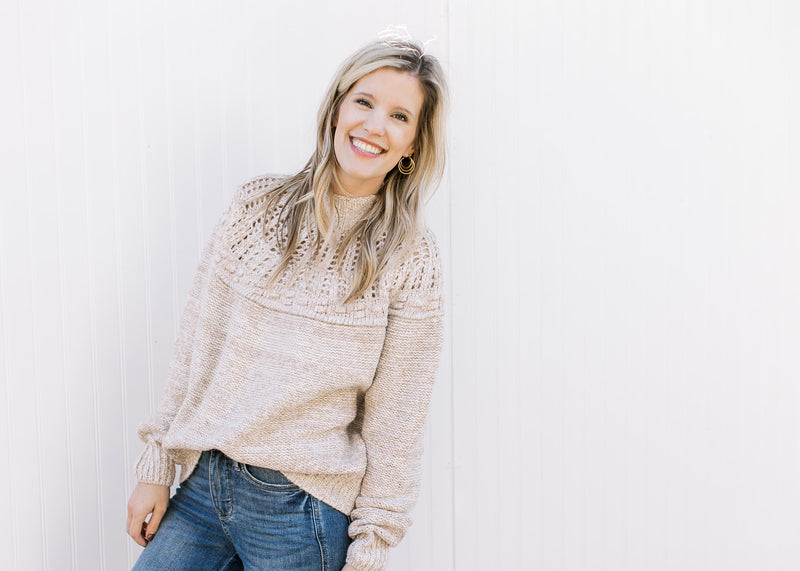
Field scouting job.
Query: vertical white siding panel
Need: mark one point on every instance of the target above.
(65, 125)
(77, 471)
(526, 178)
(550, 55)
(154, 160)
(435, 512)
(8, 528)
(130, 267)
(26, 352)
(509, 255)
(47, 259)
(512, 313)
(493, 278)
(580, 361)
(660, 149)
(14, 301)
(94, 162)
(464, 346)
(117, 453)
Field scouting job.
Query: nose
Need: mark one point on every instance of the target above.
(375, 124)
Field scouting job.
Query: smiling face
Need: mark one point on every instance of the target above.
(375, 127)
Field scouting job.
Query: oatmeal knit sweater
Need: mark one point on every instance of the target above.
(288, 377)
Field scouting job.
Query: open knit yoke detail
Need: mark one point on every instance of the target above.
(287, 377)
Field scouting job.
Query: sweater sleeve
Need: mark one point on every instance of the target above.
(154, 465)
(395, 408)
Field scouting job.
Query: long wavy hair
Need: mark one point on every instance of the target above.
(395, 221)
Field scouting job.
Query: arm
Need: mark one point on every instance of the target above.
(155, 470)
(395, 408)
(154, 465)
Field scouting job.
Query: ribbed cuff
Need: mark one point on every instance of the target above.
(155, 466)
(368, 553)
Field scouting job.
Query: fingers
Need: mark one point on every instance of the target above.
(136, 524)
(136, 527)
(155, 520)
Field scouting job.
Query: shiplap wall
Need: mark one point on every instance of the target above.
(620, 387)
(626, 323)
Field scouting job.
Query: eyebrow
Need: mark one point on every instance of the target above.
(373, 97)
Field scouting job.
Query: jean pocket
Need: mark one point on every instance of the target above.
(268, 479)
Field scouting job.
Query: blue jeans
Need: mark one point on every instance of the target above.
(231, 516)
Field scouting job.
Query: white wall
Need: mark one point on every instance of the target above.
(620, 387)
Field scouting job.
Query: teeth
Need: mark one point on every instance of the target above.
(366, 147)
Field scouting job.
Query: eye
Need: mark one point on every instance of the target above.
(401, 116)
(364, 102)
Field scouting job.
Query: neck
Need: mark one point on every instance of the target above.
(355, 189)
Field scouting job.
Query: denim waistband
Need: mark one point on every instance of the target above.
(266, 475)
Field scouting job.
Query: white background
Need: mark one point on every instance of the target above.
(620, 386)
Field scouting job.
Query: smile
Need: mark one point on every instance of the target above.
(365, 147)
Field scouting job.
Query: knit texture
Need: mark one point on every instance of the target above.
(285, 376)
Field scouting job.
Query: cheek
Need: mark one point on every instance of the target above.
(343, 126)
(408, 142)
(340, 130)
(338, 145)
(344, 116)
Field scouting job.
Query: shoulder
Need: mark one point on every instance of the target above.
(417, 280)
(247, 201)
(250, 197)
(423, 265)
(257, 187)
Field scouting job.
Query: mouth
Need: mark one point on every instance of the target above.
(366, 148)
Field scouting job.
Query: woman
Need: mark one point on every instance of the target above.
(301, 376)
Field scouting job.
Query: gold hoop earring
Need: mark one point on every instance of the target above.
(406, 167)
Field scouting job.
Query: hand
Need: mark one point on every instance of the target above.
(146, 499)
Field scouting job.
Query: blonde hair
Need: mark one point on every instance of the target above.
(395, 221)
